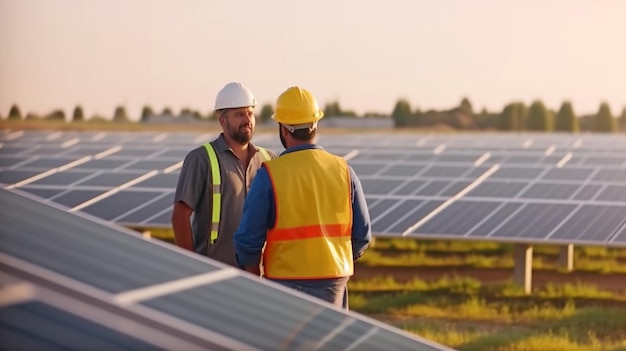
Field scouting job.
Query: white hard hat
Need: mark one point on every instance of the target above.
(234, 95)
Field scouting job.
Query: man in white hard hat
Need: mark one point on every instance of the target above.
(215, 178)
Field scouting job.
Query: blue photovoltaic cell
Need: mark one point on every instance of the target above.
(615, 193)
(500, 215)
(403, 170)
(610, 175)
(14, 176)
(102, 164)
(591, 222)
(161, 180)
(175, 153)
(48, 163)
(162, 219)
(497, 189)
(458, 218)
(382, 223)
(534, 221)
(379, 186)
(517, 173)
(415, 216)
(46, 151)
(458, 158)
(410, 187)
(420, 157)
(609, 161)
(10, 161)
(76, 197)
(118, 204)
(365, 169)
(376, 207)
(143, 213)
(148, 165)
(109, 179)
(43, 193)
(433, 188)
(523, 159)
(37, 326)
(89, 150)
(454, 188)
(550, 191)
(62, 178)
(128, 152)
(445, 171)
(568, 174)
(587, 192)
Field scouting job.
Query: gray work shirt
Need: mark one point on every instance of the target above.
(194, 189)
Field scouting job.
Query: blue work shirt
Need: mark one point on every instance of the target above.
(259, 214)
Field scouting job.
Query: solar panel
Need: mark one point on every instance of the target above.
(518, 172)
(74, 281)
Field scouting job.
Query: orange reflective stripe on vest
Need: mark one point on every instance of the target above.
(311, 238)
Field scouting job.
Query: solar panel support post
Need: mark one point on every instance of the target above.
(523, 266)
(566, 257)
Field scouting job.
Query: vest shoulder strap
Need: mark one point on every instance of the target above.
(216, 190)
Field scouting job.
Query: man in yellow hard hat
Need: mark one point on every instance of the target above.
(215, 177)
(307, 207)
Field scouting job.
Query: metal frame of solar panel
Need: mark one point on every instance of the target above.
(73, 281)
(508, 187)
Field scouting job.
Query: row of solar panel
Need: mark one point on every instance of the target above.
(70, 282)
(525, 140)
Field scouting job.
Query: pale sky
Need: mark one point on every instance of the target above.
(364, 53)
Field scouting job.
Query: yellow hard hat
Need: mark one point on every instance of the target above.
(297, 106)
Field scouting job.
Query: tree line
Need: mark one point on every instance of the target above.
(515, 116)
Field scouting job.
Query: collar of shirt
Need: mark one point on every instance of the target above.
(302, 147)
(222, 146)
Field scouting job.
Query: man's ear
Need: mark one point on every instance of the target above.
(221, 117)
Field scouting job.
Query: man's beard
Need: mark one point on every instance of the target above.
(241, 136)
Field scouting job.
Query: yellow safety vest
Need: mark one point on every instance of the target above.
(311, 238)
(216, 188)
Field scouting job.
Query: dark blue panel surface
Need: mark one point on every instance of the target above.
(376, 208)
(9, 161)
(410, 187)
(458, 218)
(498, 217)
(118, 204)
(103, 164)
(11, 176)
(414, 216)
(616, 193)
(148, 165)
(42, 193)
(433, 188)
(109, 179)
(614, 175)
(379, 186)
(517, 173)
(403, 170)
(37, 326)
(76, 197)
(493, 188)
(445, 171)
(550, 191)
(48, 163)
(161, 180)
(534, 221)
(587, 192)
(363, 169)
(62, 178)
(148, 211)
(96, 255)
(591, 222)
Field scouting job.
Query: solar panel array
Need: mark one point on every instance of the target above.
(74, 282)
(556, 188)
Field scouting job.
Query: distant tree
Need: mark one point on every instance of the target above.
(146, 112)
(14, 113)
(483, 119)
(197, 115)
(185, 111)
(507, 118)
(622, 119)
(332, 109)
(466, 106)
(266, 113)
(604, 121)
(120, 114)
(538, 117)
(167, 112)
(31, 116)
(56, 115)
(520, 115)
(401, 113)
(77, 115)
(566, 120)
(416, 119)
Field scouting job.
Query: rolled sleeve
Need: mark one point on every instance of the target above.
(251, 233)
(361, 224)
